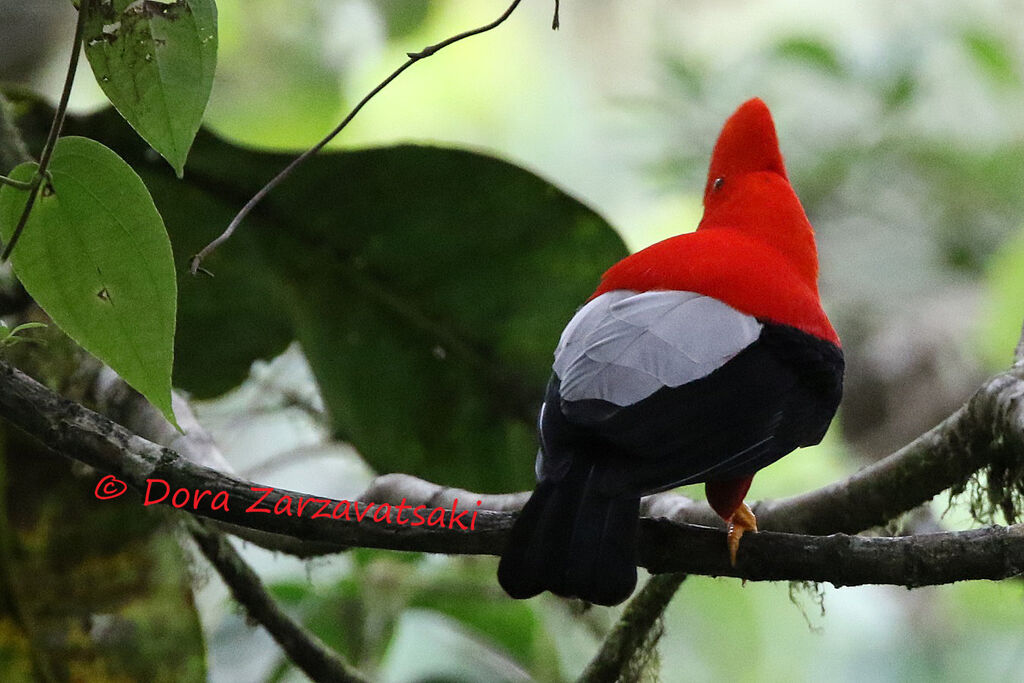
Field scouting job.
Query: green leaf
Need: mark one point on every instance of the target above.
(155, 61)
(811, 51)
(96, 257)
(992, 55)
(429, 289)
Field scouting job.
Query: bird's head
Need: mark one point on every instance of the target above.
(747, 144)
(748, 189)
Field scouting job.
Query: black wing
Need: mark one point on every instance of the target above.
(777, 394)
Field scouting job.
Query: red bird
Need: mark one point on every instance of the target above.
(702, 358)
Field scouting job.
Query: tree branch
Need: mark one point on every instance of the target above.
(304, 649)
(117, 400)
(988, 427)
(666, 546)
(992, 553)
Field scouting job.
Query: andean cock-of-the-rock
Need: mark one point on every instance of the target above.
(702, 358)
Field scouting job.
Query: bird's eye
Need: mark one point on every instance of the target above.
(717, 185)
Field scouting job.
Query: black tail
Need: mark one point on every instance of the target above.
(574, 541)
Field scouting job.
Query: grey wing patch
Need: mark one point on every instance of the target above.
(623, 346)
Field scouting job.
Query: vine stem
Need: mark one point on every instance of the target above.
(21, 185)
(195, 264)
(51, 139)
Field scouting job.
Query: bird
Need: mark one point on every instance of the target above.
(702, 358)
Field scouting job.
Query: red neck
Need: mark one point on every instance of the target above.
(763, 206)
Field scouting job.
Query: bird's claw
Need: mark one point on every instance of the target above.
(741, 521)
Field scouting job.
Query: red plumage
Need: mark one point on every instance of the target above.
(754, 248)
(702, 358)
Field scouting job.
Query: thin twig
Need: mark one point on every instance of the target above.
(633, 630)
(51, 139)
(304, 649)
(195, 264)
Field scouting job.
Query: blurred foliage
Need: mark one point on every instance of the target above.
(268, 58)
(993, 56)
(1005, 285)
(400, 17)
(28, 34)
(299, 59)
(383, 613)
(815, 53)
(897, 176)
(90, 590)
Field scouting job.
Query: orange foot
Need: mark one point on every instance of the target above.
(741, 521)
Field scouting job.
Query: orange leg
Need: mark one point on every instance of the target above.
(741, 521)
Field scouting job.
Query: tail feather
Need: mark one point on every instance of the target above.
(574, 541)
(602, 564)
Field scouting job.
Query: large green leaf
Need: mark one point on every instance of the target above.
(427, 286)
(429, 293)
(155, 61)
(94, 254)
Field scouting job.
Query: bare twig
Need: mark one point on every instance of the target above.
(634, 629)
(413, 57)
(17, 184)
(51, 139)
(304, 649)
